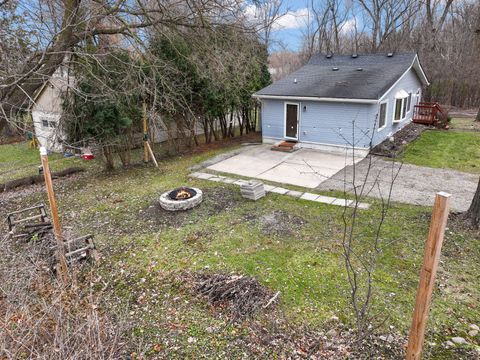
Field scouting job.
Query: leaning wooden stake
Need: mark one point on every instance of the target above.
(152, 155)
(62, 263)
(433, 248)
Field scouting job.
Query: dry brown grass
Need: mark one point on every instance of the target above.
(41, 319)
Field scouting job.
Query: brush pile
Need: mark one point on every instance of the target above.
(241, 296)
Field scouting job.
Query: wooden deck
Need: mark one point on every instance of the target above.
(427, 113)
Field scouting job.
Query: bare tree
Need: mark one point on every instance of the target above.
(70, 23)
(385, 17)
(434, 21)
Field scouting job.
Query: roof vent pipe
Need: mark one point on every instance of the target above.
(329, 56)
(354, 56)
(335, 69)
(295, 80)
(390, 54)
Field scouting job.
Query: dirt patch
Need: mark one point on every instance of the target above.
(247, 138)
(239, 296)
(464, 113)
(401, 139)
(215, 201)
(11, 139)
(278, 222)
(458, 221)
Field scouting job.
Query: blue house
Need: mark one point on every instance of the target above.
(343, 101)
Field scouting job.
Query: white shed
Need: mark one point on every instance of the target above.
(47, 110)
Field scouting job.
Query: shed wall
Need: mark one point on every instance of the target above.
(321, 122)
(410, 83)
(340, 124)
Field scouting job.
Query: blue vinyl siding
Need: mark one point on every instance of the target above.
(334, 122)
(321, 122)
(273, 119)
(410, 83)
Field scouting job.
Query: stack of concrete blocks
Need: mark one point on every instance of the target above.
(252, 190)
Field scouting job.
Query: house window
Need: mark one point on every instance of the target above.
(404, 108)
(401, 106)
(409, 102)
(382, 116)
(48, 124)
(398, 110)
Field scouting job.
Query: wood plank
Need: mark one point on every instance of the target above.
(62, 262)
(433, 248)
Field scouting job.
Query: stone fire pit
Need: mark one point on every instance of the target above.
(182, 198)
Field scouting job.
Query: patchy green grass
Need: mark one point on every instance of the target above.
(19, 160)
(146, 252)
(446, 149)
(464, 124)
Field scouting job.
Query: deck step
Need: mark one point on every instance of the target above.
(285, 146)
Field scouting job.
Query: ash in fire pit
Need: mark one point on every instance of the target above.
(182, 198)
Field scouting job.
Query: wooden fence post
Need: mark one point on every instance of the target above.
(62, 262)
(145, 134)
(433, 247)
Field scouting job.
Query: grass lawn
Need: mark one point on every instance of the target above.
(147, 253)
(464, 124)
(456, 150)
(19, 160)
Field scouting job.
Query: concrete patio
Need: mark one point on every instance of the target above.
(304, 167)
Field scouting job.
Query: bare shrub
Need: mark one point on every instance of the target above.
(39, 319)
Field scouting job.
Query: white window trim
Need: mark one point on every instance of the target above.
(401, 111)
(418, 96)
(285, 120)
(386, 113)
(409, 108)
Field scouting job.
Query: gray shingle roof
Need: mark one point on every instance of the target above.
(318, 79)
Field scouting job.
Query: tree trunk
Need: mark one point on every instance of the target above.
(107, 152)
(473, 213)
(478, 115)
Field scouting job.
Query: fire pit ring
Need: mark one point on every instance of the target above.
(181, 198)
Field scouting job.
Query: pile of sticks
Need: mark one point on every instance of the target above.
(242, 296)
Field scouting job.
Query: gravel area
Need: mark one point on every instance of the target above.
(414, 185)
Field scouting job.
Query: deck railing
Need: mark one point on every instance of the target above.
(427, 113)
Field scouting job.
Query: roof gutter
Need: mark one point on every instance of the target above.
(307, 98)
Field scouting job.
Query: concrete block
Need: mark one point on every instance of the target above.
(279, 190)
(294, 193)
(309, 196)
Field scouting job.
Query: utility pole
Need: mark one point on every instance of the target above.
(433, 247)
(62, 262)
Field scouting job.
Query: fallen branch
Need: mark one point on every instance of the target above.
(37, 179)
(271, 300)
